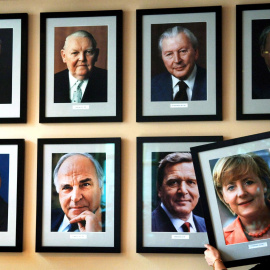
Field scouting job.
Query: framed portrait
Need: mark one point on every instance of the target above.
(180, 82)
(81, 66)
(78, 195)
(233, 178)
(11, 194)
(13, 67)
(252, 62)
(162, 204)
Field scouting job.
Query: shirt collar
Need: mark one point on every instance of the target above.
(64, 225)
(177, 222)
(72, 82)
(189, 81)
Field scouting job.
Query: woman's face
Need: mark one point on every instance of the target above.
(244, 194)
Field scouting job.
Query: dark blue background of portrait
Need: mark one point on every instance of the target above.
(4, 171)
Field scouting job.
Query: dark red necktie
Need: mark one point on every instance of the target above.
(186, 227)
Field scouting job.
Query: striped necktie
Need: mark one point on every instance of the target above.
(77, 94)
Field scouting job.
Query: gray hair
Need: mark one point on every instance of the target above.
(81, 33)
(99, 170)
(174, 31)
(263, 37)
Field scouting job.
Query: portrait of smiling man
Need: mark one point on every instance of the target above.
(178, 192)
(81, 81)
(78, 179)
(184, 79)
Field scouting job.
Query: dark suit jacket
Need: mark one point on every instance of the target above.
(162, 223)
(261, 83)
(96, 89)
(57, 216)
(3, 215)
(162, 89)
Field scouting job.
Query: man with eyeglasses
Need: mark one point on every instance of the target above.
(178, 191)
(261, 76)
(184, 80)
(82, 81)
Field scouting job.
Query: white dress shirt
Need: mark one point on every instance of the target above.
(73, 82)
(189, 82)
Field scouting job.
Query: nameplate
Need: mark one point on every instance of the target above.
(259, 245)
(180, 105)
(180, 236)
(80, 107)
(78, 236)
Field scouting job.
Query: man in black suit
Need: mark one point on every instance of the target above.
(78, 179)
(261, 76)
(178, 191)
(81, 81)
(3, 213)
(184, 80)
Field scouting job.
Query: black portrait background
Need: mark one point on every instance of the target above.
(260, 74)
(6, 40)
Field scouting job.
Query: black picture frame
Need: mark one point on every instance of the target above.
(11, 194)
(105, 105)
(151, 23)
(149, 152)
(251, 70)
(107, 151)
(217, 215)
(13, 67)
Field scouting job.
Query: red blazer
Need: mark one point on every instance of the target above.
(234, 233)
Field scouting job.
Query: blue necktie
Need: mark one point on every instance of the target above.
(72, 227)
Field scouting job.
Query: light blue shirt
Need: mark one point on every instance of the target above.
(65, 225)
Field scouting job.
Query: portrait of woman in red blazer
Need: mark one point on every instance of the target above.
(242, 184)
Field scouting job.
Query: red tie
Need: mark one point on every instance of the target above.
(186, 227)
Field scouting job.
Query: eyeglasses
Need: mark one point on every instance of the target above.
(266, 52)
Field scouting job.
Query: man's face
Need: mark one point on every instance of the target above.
(266, 56)
(179, 191)
(79, 56)
(78, 186)
(179, 56)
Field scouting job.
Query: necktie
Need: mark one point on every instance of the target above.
(72, 227)
(181, 95)
(186, 227)
(77, 94)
